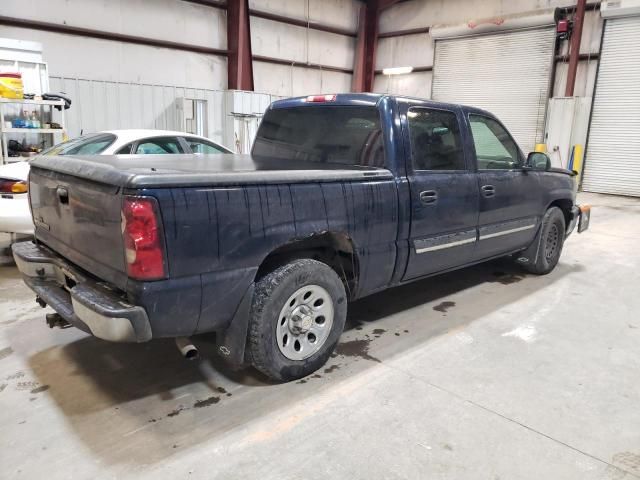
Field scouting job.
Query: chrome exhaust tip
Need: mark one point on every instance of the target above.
(187, 349)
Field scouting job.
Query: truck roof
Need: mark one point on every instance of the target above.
(367, 99)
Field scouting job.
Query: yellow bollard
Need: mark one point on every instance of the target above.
(541, 147)
(577, 159)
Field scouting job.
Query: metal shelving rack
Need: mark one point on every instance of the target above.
(40, 105)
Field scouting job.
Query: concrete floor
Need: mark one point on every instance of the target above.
(484, 373)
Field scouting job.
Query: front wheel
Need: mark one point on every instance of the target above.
(549, 241)
(297, 316)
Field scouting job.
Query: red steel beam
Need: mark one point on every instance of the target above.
(365, 58)
(574, 48)
(239, 64)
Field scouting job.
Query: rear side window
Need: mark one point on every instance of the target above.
(345, 135)
(126, 150)
(85, 145)
(200, 146)
(158, 146)
(435, 140)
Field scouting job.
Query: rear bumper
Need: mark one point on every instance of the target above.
(85, 303)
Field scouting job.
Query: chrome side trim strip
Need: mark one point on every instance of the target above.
(446, 245)
(507, 232)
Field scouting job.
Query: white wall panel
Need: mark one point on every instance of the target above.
(414, 84)
(422, 13)
(288, 42)
(585, 78)
(165, 19)
(337, 13)
(410, 50)
(288, 81)
(73, 56)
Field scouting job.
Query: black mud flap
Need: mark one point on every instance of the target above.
(530, 254)
(231, 342)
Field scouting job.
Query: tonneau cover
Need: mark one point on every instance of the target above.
(156, 171)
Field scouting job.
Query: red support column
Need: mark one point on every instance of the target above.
(239, 63)
(574, 48)
(365, 57)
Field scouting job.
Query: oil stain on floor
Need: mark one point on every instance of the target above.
(356, 348)
(444, 306)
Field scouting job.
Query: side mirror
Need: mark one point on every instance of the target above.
(538, 161)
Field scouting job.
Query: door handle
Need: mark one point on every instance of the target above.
(488, 190)
(63, 195)
(429, 197)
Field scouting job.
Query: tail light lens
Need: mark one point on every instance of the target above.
(143, 239)
(13, 186)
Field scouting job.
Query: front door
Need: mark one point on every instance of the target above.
(510, 203)
(444, 190)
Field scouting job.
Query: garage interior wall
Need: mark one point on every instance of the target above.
(122, 85)
(417, 50)
(300, 45)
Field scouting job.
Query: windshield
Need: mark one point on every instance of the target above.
(92, 144)
(346, 135)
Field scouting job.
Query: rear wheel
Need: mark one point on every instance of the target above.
(297, 316)
(550, 239)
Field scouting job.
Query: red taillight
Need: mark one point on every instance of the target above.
(321, 98)
(142, 235)
(13, 186)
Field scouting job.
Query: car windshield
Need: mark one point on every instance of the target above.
(346, 135)
(92, 144)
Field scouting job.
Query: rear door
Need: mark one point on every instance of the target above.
(444, 189)
(510, 202)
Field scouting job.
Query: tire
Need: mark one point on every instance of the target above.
(549, 241)
(284, 317)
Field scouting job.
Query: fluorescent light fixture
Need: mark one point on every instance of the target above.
(397, 70)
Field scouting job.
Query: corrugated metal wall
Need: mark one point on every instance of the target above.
(613, 151)
(506, 73)
(103, 105)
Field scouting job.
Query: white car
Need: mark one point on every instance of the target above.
(15, 217)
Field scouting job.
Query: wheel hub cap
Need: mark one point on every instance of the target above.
(305, 322)
(301, 320)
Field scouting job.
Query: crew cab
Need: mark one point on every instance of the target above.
(342, 196)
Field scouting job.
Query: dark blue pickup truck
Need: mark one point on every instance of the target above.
(341, 197)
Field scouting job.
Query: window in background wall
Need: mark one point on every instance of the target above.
(194, 116)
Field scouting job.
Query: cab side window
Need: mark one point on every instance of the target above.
(495, 149)
(436, 143)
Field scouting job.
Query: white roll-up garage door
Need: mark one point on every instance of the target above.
(506, 73)
(612, 164)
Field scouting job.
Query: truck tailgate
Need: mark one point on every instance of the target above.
(80, 219)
